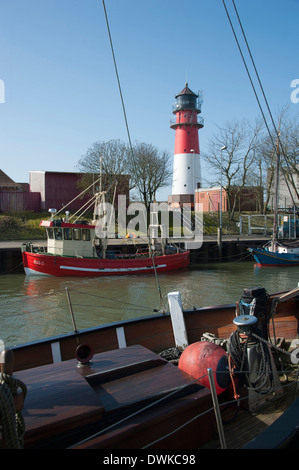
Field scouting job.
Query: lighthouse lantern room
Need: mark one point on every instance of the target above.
(186, 165)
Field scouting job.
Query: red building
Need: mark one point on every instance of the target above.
(210, 199)
(247, 199)
(15, 197)
(57, 189)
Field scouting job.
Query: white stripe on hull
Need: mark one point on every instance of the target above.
(111, 270)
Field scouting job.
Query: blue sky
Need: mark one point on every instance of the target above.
(61, 92)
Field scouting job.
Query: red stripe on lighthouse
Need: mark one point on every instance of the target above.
(186, 132)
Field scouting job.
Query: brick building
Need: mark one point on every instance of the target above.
(248, 199)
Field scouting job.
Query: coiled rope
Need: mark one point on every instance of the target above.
(263, 382)
(11, 420)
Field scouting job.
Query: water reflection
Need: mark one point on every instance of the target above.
(36, 307)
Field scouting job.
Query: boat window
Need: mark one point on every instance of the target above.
(58, 233)
(50, 233)
(85, 234)
(76, 233)
(67, 233)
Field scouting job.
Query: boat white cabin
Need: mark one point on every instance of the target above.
(66, 239)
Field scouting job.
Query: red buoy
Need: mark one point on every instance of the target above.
(200, 356)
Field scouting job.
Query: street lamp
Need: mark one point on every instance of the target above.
(220, 226)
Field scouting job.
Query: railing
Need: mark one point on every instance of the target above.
(32, 248)
(188, 122)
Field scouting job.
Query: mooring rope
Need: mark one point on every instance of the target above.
(12, 421)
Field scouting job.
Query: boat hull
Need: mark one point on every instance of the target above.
(128, 396)
(154, 332)
(267, 258)
(45, 264)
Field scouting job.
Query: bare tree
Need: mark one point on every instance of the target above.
(266, 159)
(235, 163)
(110, 158)
(288, 129)
(289, 139)
(150, 170)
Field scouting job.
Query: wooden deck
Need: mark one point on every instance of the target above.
(247, 426)
(63, 398)
(66, 403)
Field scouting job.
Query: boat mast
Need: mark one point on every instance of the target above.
(98, 194)
(102, 240)
(275, 224)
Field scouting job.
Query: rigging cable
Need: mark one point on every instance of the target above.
(118, 80)
(260, 83)
(254, 90)
(84, 191)
(247, 70)
(127, 127)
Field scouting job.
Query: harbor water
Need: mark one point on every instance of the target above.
(33, 308)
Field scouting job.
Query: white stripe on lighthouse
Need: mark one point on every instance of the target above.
(186, 173)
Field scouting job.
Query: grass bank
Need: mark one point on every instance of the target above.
(22, 226)
(25, 225)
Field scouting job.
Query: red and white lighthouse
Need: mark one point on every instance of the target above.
(186, 165)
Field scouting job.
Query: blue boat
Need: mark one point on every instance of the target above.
(274, 253)
(277, 254)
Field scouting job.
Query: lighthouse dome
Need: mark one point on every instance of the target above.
(186, 99)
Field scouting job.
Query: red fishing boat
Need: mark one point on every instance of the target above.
(85, 262)
(81, 249)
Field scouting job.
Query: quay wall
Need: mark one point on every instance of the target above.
(10, 261)
(210, 252)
